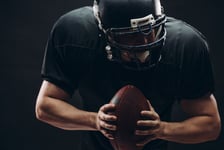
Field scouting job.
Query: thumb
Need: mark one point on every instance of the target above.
(150, 106)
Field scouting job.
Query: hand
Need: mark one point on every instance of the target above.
(152, 127)
(105, 121)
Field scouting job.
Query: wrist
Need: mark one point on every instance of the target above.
(93, 120)
(163, 130)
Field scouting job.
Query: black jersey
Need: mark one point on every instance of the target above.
(75, 59)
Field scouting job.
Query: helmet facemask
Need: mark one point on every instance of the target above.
(137, 46)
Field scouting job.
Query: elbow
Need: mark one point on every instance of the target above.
(40, 112)
(215, 130)
(40, 115)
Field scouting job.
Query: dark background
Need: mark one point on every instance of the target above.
(24, 29)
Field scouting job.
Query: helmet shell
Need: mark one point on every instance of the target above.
(118, 13)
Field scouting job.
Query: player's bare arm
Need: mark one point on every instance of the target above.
(203, 123)
(53, 109)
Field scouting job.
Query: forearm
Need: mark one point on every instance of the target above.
(193, 130)
(65, 116)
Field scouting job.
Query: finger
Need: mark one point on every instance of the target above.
(150, 106)
(104, 115)
(148, 123)
(107, 134)
(107, 107)
(107, 117)
(107, 126)
(150, 114)
(144, 132)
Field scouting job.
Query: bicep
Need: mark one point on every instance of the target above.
(205, 105)
(50, 90)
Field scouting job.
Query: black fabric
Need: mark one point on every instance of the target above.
(75, 60)
(188, 50)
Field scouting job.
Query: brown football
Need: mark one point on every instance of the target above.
(129, 102)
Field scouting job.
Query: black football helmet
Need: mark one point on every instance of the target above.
(134, 29)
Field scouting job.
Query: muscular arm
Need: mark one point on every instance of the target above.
(52, 108)
(202, 125)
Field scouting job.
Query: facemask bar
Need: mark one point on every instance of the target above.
(139, 48)
(139, 29)
(114, 55)
(113, 49)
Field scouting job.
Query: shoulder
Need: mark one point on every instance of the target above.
(75, 27)
(183, 42)
(80, 17)
(183, 33)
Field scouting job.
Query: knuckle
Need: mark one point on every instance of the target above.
(103, 117)
(105, 125)
(104, 132)
(101, 124)
(108, 126)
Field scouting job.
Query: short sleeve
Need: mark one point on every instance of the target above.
(54, 67)
(196, 75)
(63, 58)
(70, 49)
